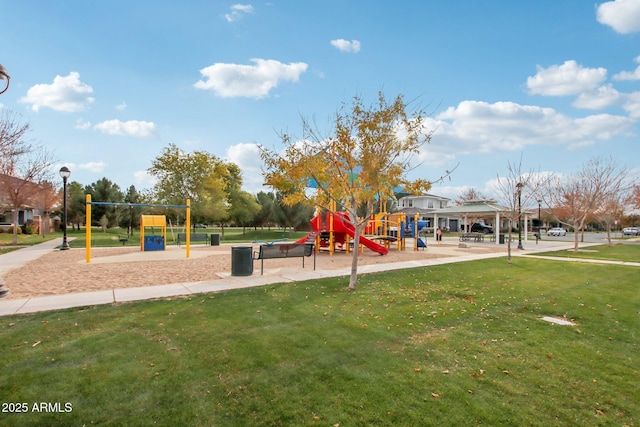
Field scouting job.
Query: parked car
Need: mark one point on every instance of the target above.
(478, 227)
(557, 231)
(631, 231)
(200, 226)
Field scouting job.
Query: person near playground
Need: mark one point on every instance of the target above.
(439, 234)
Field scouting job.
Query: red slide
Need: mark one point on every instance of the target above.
(309, 238)
(341, 225)
(370, 244)
(348, 228)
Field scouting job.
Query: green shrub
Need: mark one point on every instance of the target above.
(30, 228)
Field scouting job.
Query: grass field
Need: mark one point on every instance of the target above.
(457, 345)
(616, 252)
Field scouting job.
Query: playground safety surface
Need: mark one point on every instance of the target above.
(60, 279)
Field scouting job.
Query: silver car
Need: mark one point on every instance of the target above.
(557, 231)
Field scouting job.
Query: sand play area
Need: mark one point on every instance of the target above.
(62, 272)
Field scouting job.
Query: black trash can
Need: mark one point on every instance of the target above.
(215, 239)
(502, 239)
(241, 261)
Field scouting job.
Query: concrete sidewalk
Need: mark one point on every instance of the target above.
(56, 302)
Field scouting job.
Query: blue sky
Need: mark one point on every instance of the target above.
(108, 85)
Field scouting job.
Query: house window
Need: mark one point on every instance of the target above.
(443, 204)
(430, 204)
(410, 203)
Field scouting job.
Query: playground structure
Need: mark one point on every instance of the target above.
(383, 230)
(153, 242)
(152, 221)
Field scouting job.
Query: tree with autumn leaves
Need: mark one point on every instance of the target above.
(25, 168)
(599, 189)
(363, 159)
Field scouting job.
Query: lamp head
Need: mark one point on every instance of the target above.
(3, 73)
(65, 172)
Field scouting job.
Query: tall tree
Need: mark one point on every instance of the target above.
(46, 200)
(242, 205)
(582, 194)
(24, 166)
(467, 195)
(267, 206)
(130, 216)
(614, 195)
(12, 139)
(365, 157)
(198, 176)
(104, 190)
(516, 191)
(291, 215)
(76, 207)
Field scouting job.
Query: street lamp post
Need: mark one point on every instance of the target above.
(540, 212)
(519, 187)
(64, 173)
(4, 76)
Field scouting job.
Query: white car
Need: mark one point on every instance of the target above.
(557, 231)
(631, 231)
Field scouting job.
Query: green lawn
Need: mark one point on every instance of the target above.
(460, 344)
(616, 252)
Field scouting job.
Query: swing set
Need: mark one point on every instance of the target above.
(145, 220)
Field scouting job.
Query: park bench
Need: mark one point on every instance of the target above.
(505, 237)
(476, 237)
(123, 238)
(195, 237)
(284, 250)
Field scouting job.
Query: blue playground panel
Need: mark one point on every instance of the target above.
(153, 243)
(421, 243)
(410, 226)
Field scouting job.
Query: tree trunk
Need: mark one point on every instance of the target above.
(15, 226)
(509, 260)
(353, 278)
(353, 216)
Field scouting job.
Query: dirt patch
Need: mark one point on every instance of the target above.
(62, 272)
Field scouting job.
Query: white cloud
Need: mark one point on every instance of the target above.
(603, 97)
(238, 11)
(632, 105)
(82, 124)
(629, 75)
(247, 157)
(93, 166)
(343, 45)
(621, 15)
(143, 179)
(134, 128)
(566, 79)
(121, 107)
(480, 127)
(250, 81)
(67, 94)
